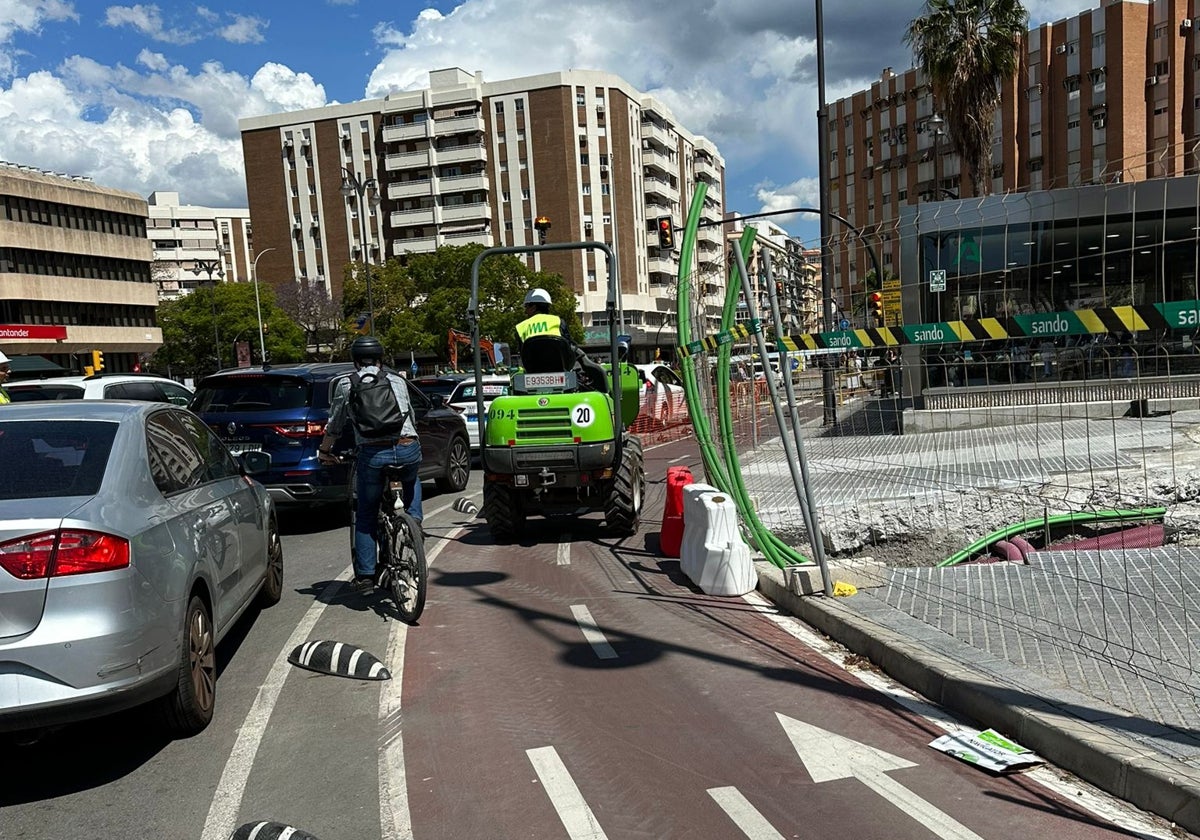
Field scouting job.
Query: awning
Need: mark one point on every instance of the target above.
(35, 367)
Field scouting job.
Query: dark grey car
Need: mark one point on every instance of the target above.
(129, 533)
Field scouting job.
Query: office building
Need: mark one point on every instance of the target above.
(1109, 95)
(74, 271)
(469, 161)
(188, 240)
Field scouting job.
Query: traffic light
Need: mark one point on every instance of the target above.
(97, 360)
(666, 233)
(875, 305)
(542, 224)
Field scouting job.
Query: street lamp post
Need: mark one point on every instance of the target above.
(211, 267)
(367, 190)
(262, 341)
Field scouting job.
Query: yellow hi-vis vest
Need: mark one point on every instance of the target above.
(539, 324)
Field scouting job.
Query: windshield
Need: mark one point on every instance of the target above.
(49, 458)
(250, 392)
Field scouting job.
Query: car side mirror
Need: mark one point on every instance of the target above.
(254, 463)
(438, 400)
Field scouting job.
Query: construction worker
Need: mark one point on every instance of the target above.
(538, 320)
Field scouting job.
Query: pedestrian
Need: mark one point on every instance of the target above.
(385, 434)
(5, 372)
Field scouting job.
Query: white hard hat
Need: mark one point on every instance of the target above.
(537, 296)
(3, 359)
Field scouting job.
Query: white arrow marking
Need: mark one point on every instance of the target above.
(592, 633)
(744, 815)
(577, 817)
(564, 550)
(827, 757)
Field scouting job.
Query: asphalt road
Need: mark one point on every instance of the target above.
(570, 686)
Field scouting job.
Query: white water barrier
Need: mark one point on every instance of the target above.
(713, 554)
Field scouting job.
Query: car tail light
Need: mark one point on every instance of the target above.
(300, 430)
(59, 553)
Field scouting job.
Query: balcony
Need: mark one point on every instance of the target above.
(661, 265)
(456, 213)
(707, 169)
(468, 237)
(472, 123)
(473, 153)
(407, 160)
(408, 131)
(410, 189)
(656, 134)
(661, 188)
(408, 218)
(658, 160)
(423, 245)
(462, 183)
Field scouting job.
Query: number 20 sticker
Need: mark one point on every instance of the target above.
(583, 416)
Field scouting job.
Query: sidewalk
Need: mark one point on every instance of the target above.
(1127, 722)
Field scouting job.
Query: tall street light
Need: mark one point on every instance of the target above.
(366, 190)
(211, 267)
(262, 341)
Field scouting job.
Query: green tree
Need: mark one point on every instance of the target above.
(193, 324)
(418, 301)
(967, 48)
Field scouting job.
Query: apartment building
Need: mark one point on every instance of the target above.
(1108, 95)
(794, 269)
(194, 245)
(470, 161)
(74, 270)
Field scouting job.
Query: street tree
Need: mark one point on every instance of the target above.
(967, 49)
(193, 324)
(309, 305)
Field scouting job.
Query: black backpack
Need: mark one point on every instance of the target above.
(374, 408)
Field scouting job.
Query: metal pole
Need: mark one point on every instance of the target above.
(362, 218)
(827, 378)
(262, 340)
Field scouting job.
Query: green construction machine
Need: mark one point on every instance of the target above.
(558, 444)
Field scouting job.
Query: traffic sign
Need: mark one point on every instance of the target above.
(844, 324)
(937, 280)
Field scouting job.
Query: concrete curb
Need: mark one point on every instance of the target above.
(1097, 754)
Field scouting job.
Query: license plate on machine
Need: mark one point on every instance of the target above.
(545, 380)
(239, 448)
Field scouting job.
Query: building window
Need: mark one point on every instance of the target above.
(607, 219)
(525, 195)
(1162, 68)
(505, 196)
(1160, 31)
(587, 188)
(519, 105)
(499, 136)
(508, 226)
(902, 195)
(581, 100)
(1097, 39)
(585, 160)
(604, 189)
(499, 107)
(520, 134)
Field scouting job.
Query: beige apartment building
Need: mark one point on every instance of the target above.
(470, 161)
(74, 271)
(194, 245)
(1109, 95)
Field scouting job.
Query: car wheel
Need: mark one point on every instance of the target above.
(189, 707)
(272, 588)
(458, 467)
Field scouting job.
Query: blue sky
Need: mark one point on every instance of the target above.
(147, 96)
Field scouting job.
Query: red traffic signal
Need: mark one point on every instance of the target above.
(875, 305)
(666, 233)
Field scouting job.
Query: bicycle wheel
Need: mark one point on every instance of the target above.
(407, 574)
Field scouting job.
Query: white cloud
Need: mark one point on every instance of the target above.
(244, 30)
(27, 16)
(152, 60)
(148, 21)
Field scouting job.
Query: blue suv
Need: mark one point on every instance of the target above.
(283, 411)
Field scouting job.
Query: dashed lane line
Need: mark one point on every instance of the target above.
(744, 815)
(576, 816)
(592, 633)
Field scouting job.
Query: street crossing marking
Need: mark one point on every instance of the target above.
(577, 818)
(592, 633)
(564, 550)
(744, 815)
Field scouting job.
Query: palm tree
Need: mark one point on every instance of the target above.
(966, 48)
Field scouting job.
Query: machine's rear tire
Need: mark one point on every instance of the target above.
(503, 510)
(623, 507)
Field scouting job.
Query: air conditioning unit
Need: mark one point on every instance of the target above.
(1061, 49)
(600, 107)
(287, 144)
(1151, 81)
(603, 168)
(296, 226)
(346, 136)
(587, 226)
(1185, 25)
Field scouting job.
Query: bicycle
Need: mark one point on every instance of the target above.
(401, 569)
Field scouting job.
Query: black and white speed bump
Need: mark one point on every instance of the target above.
(464, 505)
(266, 830)
(339, 660)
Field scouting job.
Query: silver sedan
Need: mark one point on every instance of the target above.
(130, 543)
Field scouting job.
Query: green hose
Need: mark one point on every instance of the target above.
(1058, 519)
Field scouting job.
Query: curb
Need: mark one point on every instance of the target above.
(1110, 761)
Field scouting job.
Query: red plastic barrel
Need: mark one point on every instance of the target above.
(672, 528)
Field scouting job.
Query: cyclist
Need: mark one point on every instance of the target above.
(372, 456)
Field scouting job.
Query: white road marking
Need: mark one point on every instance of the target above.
(680, 458)
(744, 815)
(592, 633)
(1081, 793)
(577, 818)
(395, 818)
(227, 798)
(564, 550)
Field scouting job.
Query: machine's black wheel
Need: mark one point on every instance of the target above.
(623, 506)
(503, 510)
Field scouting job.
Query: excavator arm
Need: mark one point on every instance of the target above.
(456, 338)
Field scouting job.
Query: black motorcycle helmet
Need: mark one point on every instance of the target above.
(366, 348)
